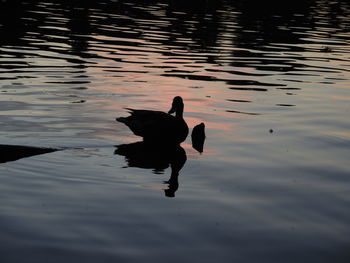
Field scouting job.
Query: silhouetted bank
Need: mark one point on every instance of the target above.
(11, 153)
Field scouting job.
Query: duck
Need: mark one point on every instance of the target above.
(158, 127)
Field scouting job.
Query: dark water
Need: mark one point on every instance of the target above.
(271, 83)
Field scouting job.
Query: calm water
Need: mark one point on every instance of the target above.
(271, 83)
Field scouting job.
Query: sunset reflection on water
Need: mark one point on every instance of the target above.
(270, 84)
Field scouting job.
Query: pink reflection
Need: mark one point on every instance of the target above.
(134, 77)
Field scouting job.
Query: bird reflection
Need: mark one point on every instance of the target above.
(158, 158)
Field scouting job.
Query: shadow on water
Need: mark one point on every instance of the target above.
(148, 156)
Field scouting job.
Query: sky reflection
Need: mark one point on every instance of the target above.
(271, 84)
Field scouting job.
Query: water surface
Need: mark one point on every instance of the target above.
(271, 84)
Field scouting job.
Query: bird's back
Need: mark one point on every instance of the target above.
(151, 125)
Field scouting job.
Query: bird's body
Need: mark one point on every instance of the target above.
(157, 126)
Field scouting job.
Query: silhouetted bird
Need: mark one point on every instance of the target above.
(158, 127)
(9, 153)
(158, 158)
(198, 137)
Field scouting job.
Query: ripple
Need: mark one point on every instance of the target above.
(67, 70)
(240, 100)
(242, 112)
(285, 105)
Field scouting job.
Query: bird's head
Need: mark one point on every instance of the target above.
(177, 106)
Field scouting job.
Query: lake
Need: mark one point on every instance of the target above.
(271, 83)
